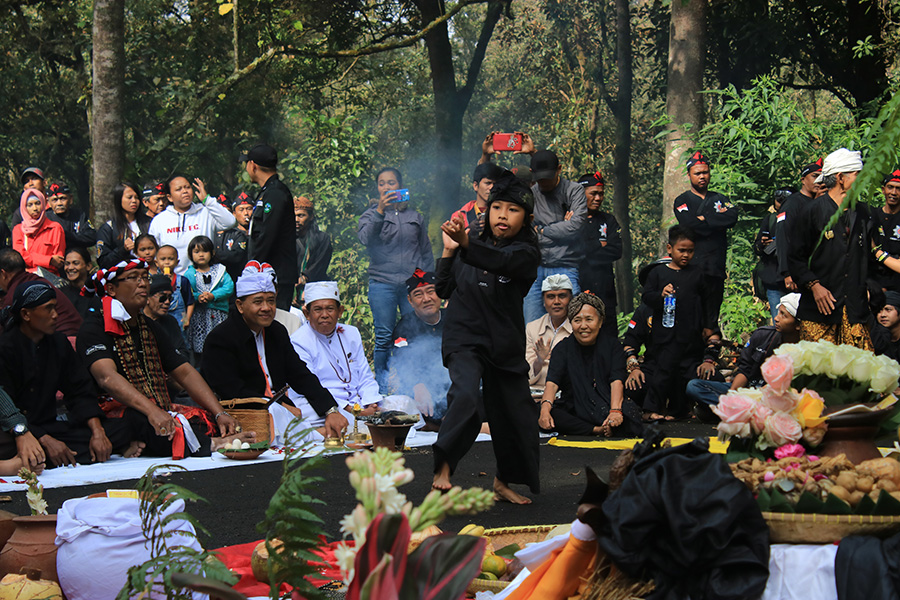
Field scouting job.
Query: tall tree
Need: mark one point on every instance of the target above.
(684, 104)
(107, 109)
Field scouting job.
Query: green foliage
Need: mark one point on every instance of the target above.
(169, 554)
(331, 165)
(291, 518)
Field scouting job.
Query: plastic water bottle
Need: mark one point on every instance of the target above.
(668, 319)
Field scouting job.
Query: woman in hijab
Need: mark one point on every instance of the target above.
(40, 241)
(589, 370)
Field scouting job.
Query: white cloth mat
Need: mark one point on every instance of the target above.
(119, 469)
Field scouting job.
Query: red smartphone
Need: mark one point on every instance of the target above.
(507, 142)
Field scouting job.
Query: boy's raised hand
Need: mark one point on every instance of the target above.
(455, 229)
(669, 290)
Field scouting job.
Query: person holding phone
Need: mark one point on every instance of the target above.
(397, 240)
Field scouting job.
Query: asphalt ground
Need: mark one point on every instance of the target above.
(237, 497)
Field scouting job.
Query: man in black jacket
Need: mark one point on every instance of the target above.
(831, 268)
(809, 189)
(232, 244)
(709, 215)
(272, 229)
(250, 354)
(887, 229)
(79, 232)
(313, 245)
(602, 247)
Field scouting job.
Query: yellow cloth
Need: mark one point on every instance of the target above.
(559, 576)
(715, 446)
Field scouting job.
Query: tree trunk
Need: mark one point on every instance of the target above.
(622, 155)
(107, 107)
(450, 103)
(684, 105)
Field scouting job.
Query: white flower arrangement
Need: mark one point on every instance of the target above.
(879, 373)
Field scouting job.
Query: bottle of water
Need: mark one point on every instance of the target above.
(668, 319)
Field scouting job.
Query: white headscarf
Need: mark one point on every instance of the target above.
(841, 161)
(790, 302)
(255, 278)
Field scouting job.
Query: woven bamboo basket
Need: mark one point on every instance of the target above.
(797, 528)
(502, 537)
(252, 415)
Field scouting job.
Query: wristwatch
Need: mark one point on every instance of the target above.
(331, 411)
(19, 429)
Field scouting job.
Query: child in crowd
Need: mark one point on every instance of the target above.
(211, 286)
(145, 248)
(182, 306)
(487, 278)
(676, 345)
(40, 241)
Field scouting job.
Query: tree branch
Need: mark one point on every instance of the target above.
(194, 111)
(495, 9)
(375, 49)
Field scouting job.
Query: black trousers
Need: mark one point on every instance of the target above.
(506, 405)
(667, 381)
(284, 295)
(157, 445)
(713, 294)
(76, 437)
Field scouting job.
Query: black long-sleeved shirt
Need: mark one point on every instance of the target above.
(486, 284)
(687, 332)
(76, 226)
(719, 215)
(840, 262)
(273, 231)
(759, 347)
(33, 373)
(886, 233)
(595, 273)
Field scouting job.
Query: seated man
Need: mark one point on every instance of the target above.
(250, 356)
(334, 352)
(759, 347)
(159, 299)
(415, 364)
(886, 333)
(13, 273)
(589, 370)
(637, 336)
(35, 363)
(542, 335)
(130, 358)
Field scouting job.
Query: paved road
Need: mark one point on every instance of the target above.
(238, 496)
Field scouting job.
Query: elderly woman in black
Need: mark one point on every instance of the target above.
(590, 372)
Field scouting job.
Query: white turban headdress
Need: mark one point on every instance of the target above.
(255, 278)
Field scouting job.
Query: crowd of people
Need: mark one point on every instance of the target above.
(512, 331)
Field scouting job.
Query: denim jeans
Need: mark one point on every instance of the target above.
(384, 300)
(534, 301)
(708, 392)
(774, 298)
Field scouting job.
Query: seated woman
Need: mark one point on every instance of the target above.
(40, 240)
(589, 371)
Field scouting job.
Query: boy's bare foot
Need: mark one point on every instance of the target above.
(442, 479)
(503, 493)
(244, 436)
(134, 449)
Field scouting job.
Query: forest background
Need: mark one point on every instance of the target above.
(110, 90)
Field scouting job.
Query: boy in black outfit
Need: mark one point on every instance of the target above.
(676, 350)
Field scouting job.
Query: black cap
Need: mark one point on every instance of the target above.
(486, 170)
(159, 283)
(262, 154)
(32, 171)
(544, 164)
(591, 179)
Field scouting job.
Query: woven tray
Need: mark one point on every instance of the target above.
(502, 537)
(794, 528)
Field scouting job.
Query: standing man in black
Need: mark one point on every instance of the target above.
(602, 247)
(709, 215)
(830, 264)
(273, 232)
(809, 189)
(886, 221)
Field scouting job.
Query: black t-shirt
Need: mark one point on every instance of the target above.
(94, 343)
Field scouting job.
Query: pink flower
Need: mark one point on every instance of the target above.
(734, 407)
(778, 371)
(758, 418)
(784, 401)
(781, 428)
(793, 450)
(769, 476)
